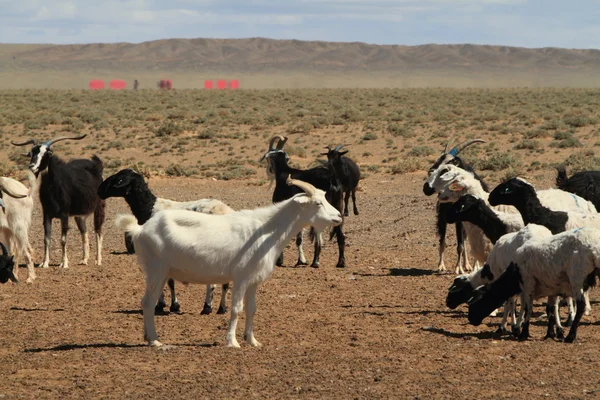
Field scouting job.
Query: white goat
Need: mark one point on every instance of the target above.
(566, 263)
(241, 247)
(15, 220)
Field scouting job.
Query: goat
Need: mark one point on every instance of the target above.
(7, 264)
(347, 172)
(562, 264)
(239, 247)
(323, 177)
(451, 157)
(67, 189)
(15, 220)
(131, 186)
(585, 184)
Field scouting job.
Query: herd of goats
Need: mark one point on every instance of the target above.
(525, 242)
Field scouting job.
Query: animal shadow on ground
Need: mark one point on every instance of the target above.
(35, 309)
(66, 347)
(140, 312)
(119, 253)
(401, 272)
(479, 335)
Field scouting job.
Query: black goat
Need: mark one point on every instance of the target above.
(585, 184)
(7, 264)
(67, 189)
(132, 187)
(323, 177)
(347, 172)
(451, 157)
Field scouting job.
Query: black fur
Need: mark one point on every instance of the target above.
(489, 297)
(324, 178)
(474, 210)
(7, 265)
(348, 174)
(459, 293)
(523, 197)
(585, 184)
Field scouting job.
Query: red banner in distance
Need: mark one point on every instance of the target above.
(96, 84)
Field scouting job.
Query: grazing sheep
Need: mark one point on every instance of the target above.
(240, 247)
(131, 186)
(15, 220)
(565, 264)
(67, 189)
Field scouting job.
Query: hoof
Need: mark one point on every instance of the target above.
(44, 265)
(301, 263)
(340, 265)
(569, 339)
(234, 344)
(83, 262)
(206, 310)
(346, 213)
(550, 336)
(314, 265)
(355, 212)
(279, 263)
(175, 307)
(155, 343)
(160, 309)
(515, 332)
(222, 310)
(560, 333)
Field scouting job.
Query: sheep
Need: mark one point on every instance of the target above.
(348, 173)
(585, 184)
(239, 247)
(324, 178)
(7, 264)
(15, 220)
(131, 186)
(67, 189)
(451, 157)
(563, 264)
(505, 239)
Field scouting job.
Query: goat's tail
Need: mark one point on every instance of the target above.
(561, 176)
(33, 183)
(129, 224)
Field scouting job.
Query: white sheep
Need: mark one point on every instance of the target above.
(565, 263)
(15, 220)
(241, 247)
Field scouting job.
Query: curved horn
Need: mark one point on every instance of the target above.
(448, 144)
(307, 187)
(273, 139)
(281, 142)
(10, 192)
(339, 147)
(51, 142)
(30, 141)
(457, 149)
(4, 249)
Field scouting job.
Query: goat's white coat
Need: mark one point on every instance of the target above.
(15, 221)
(239, 247)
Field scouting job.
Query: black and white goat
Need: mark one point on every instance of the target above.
(67, 189)
(451, 157)
(585, 184)
(240, 247)
(563, 264)
(7, 266)
(323, 177)
(132, 187)
(347, 172)
(15, 220)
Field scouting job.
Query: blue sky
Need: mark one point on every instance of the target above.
(528, 23)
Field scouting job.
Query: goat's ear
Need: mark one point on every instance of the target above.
(456, 187)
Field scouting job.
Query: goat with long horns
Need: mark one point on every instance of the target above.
(67, 189)
(451, 157)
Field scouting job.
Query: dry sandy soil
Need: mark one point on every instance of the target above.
(377, 329)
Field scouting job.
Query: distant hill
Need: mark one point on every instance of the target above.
(305, 63)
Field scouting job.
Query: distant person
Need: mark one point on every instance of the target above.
(136, 84)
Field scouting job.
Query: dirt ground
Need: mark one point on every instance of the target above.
(377, 329)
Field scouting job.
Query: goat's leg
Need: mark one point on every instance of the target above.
(223, 305)
(47, 238)
(354, 201)
(175, 306)
(301, 257)
(99, 216)
(207, 309)
(571, 308)
(21, 240)
(237, 305)
(346, 198)
(559, 329)
(588, 306)
(441, 230)
(129, 244)
(159, 309)
(154, 287)
(580, 310)
(64, 225)
(550, 312)
(341, 240)
(318, 238)
(85, 240)
(526, 306)
(250, 307)
(460, 249)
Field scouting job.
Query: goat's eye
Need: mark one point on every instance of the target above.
(507, 190)
(462, 207)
